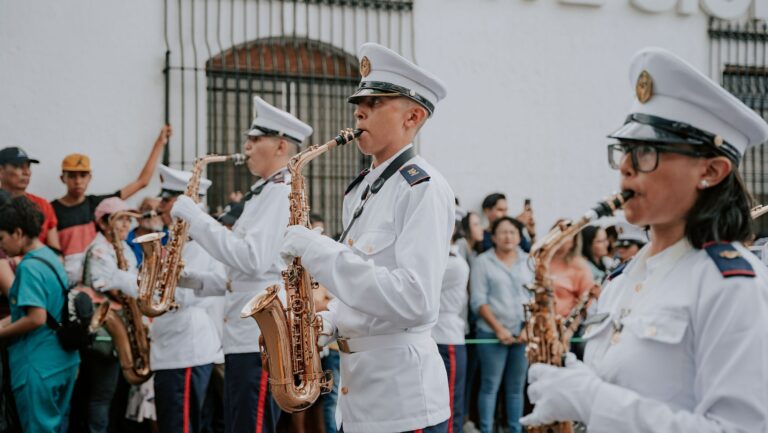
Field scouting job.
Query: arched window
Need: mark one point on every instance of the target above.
(307, 78)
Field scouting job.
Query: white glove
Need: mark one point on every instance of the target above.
(328, 335)
(186, 209)
(190, 280)
(561, 393)
(296, 241)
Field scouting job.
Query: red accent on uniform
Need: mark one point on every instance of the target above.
(451, 382)
(187, 380)
(418, 431)
(262, 399)
(744, 272)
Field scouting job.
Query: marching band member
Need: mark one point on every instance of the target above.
(100, 369)
(185, 341)
(251, 254)
(387, 270)
(678, 343)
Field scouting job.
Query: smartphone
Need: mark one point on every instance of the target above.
(527, 203)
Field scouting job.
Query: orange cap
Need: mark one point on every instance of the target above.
(76, 162)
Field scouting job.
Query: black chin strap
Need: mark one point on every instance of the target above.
(371, 190)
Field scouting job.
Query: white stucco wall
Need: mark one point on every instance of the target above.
(534, 87)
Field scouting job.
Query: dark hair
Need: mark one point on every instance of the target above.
(514, 222)
(721, 213)
(490, 200)
(588, 235)
(466, 233)
(21, 213)
(103, 220)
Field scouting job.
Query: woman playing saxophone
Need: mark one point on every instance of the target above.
(110, 268)
(678, 341)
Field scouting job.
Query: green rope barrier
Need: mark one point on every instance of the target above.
(496, 340)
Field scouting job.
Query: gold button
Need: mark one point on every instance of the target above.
(370, 249)
(350, 242)
(226, 319)
(344, 390)
(650, 331)
(638, 288)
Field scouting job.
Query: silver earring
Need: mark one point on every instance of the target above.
(704, 184)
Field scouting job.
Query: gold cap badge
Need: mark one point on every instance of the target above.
(365, 66)
(644, 87)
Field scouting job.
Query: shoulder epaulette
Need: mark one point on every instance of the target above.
(729, 260)
(414, 175)
(357, 180)
(616, 272)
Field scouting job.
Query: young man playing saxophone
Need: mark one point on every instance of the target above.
(251, 254)
(185, 341)
(387, 270)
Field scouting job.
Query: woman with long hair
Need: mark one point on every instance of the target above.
(679, 341)
(42, 372)
(570, 274)
(594, 248)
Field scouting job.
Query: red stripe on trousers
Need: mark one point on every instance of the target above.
(418, 431)
(262, 399)
(451, 382)
(187, 382)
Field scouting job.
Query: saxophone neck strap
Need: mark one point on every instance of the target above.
(376, 186)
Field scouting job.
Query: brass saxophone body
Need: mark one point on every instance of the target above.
(129, 334)
(289, 350)
(548, 335)
(162, 265)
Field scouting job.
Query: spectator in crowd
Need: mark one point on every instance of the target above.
(594, 248)
(15, 174)
(101, 369)
(148, 206)
(470, 244)
(74, 211)
(494, 207)
(42, 372)
(498, 295)
(449, 330)
(570, 274)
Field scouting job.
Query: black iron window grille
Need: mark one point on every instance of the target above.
(739, 59)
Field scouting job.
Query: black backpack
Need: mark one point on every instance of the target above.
(76, 315)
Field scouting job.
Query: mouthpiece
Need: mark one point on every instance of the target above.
(238, 158)
(150, 214)
(608, 207)
(347, 135)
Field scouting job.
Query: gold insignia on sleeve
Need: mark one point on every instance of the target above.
(413, 172)
(365, 66)
(644, 87)
(730, 254)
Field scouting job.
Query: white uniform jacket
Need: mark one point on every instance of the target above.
(251, 254)
(386, 277)
(100, 271)
(187, 337)
(454, 300)
(692, 356)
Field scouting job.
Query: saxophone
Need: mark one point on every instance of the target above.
(289, 336)
(549, 335)
(128, 331)
(162, 265)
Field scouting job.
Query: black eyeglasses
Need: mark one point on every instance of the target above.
(645, 156)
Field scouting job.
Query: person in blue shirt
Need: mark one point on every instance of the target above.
(42, 372)
(497, 295)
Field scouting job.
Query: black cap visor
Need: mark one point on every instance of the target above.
(378, 88)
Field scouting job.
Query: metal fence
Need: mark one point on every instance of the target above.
(296, 54)
(739, 60)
